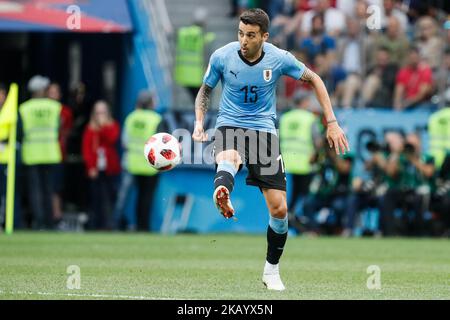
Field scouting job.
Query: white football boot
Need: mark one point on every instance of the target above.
(271, 277)
(222, 201)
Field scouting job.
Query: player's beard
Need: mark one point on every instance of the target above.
(252, 54)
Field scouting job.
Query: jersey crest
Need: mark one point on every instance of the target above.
(267, 74)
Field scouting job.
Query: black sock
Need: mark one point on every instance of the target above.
(224, 178)
(275, 245)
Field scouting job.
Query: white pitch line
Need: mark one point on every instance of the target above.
(93, 295)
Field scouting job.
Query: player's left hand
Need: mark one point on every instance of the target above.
(336, 138)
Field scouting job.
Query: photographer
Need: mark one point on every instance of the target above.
(328, 199)
(367, 192)
(409, 176)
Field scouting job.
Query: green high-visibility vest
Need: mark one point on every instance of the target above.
(189, 60)
(40, 118)
(296, 140)
(439, 135)
(139, 126)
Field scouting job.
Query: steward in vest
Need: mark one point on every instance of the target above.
(41, 152)
(139, 126)
(190, 59)
(299, 133)
(439, 135)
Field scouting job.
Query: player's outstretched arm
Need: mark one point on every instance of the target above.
(201, 107)
(335, 135)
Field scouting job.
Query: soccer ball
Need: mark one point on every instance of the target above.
(163, 151)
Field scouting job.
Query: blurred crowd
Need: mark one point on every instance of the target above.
(402, 189)
(370, 53)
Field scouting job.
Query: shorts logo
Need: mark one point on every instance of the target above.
(267, 74)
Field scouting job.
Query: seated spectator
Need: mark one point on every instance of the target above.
(395, 40)
(319, 42)
(356, 8)
(414, 83)
(436, 9)
(305, 5)
(359, 12)
(427, 40)
(332, 75)
(285, 21)
(334, 19)
(378, 86)
(443, 81)
(390, 9)
(350, 55)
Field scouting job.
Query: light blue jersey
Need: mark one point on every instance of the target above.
(249, 97)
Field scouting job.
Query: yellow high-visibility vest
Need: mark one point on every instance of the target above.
(40, 118)
(139, 126)
(189, 59)
(439, 135)
(296, 140)
(4, 144)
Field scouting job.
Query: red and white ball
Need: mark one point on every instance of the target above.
(163, 151)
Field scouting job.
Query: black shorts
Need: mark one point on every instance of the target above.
(260, 151)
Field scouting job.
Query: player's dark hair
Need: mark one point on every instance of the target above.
(256, 17)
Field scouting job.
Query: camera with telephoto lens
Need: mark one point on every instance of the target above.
(409, 149)
(373, 146)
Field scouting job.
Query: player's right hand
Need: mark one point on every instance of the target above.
(337, 139)
(199, 134)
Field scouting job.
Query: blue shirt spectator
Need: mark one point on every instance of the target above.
(319, 42)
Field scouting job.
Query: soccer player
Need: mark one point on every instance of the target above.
(245, 128)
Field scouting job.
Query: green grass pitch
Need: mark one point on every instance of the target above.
(218, 266)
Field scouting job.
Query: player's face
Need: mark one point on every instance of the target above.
(251, 40)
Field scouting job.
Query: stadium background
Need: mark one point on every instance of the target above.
(130, 45)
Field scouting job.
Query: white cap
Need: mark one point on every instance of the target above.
(200, 15)
(38, 83)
